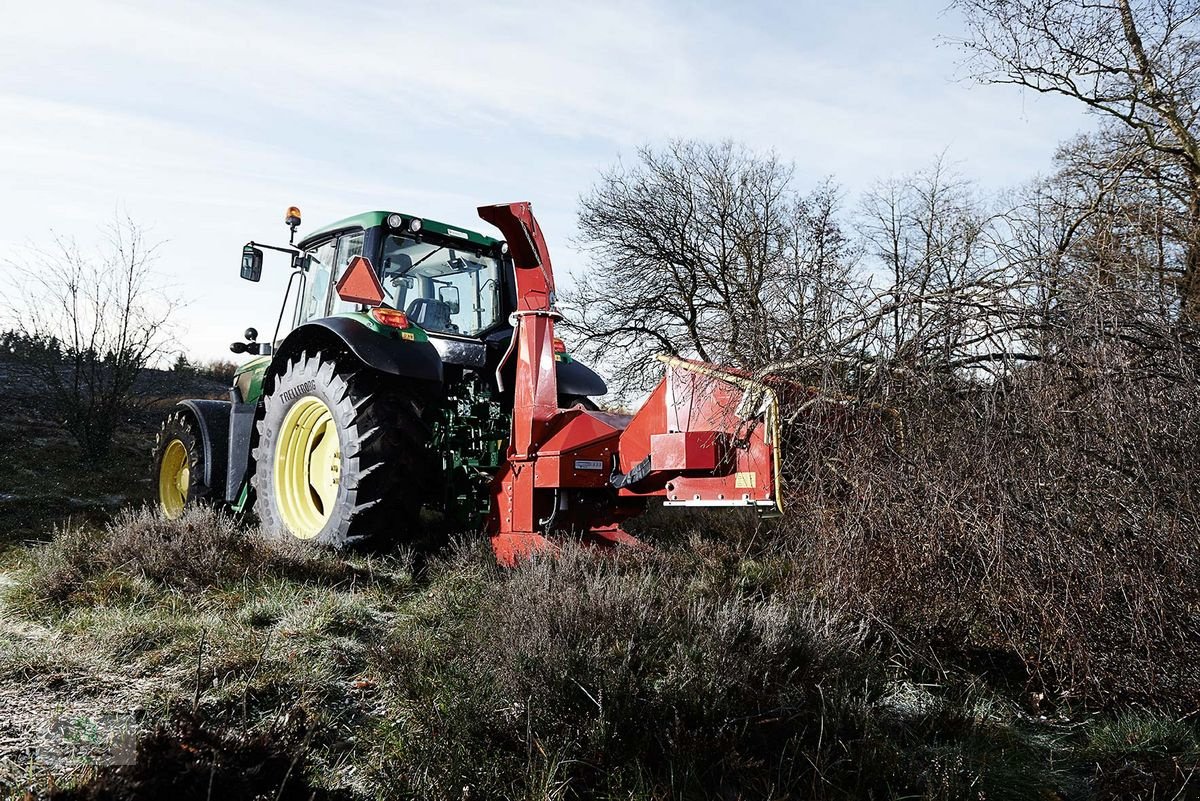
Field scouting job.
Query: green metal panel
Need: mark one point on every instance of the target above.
(371, 219)
(249, 378)
(368, 219)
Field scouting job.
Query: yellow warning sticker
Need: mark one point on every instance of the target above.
(746, 480)
(409, 335)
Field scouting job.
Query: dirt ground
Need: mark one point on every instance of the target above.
(61, 711)
(66, 713)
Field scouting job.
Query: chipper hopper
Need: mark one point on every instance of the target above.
(418, 370)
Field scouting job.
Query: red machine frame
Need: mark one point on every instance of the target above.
(706, 436)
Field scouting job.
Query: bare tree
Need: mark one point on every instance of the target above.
(991, 417)
(108, 321)
(933, 241)
(707, 250)
(1137, 64)
(1131, 230)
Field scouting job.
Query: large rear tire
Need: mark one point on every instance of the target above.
(341, 455)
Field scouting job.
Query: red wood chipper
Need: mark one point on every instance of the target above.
(706, 436)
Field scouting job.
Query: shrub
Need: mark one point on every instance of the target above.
(221, 370)
(1046, 522)
(641, 677)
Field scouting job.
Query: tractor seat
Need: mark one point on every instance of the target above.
(431, 314)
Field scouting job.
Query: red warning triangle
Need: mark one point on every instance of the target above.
(359, 283)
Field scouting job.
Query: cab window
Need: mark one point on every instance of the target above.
(452, 289)
(349, 246)
(318, 271)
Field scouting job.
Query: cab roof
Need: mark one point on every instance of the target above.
(370, 219)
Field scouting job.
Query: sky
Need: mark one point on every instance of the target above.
(205, 121)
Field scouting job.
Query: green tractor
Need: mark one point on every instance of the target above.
(380, 394)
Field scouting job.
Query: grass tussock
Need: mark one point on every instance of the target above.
(204, 549)
(1140, 755)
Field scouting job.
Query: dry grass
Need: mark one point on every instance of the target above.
(694, 672)
(611, 675)
(205, 549)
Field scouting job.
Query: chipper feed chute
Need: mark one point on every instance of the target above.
(706, 436)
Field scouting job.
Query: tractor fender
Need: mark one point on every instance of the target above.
(578, 379)
(212, 422)
(409, 359)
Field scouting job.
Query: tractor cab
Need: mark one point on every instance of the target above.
(443, 287)
(447, 280)
(446, 287)
(415, 308)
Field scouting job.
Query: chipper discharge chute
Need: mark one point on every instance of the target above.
(414, 369)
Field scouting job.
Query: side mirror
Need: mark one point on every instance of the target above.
(252, 261)
(449, 296)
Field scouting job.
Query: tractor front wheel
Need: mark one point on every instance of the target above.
(340, 455)
(178, 465)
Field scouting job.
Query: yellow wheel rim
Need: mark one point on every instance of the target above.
(308, 467)
(174, 478)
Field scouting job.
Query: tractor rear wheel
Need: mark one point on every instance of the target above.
(341, 455)
(178, 465)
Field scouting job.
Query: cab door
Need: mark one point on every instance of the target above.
(318, 282)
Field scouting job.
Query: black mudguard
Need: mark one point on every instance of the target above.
(419, 360)
(241, 434)
(212, 422)
(578, 379)
(395, 356)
